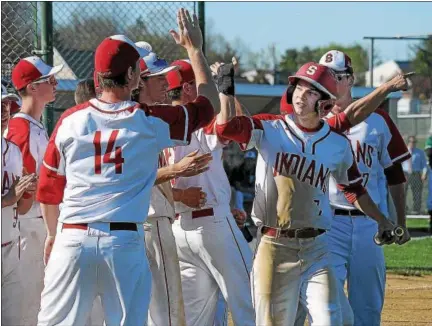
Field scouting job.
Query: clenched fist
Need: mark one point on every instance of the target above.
(193, 197)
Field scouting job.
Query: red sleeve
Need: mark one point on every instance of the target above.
(183, 119)
(339, 122)
(395, 175)
(52, 180)
(397, 148)
(239, 129)
(19, 133)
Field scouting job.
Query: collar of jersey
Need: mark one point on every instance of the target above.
(111, 106)
(310, 135)
(29, 118)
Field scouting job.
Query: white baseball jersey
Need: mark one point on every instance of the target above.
(32, 139)
(375, 148)
(12, 166)
(161, 200)
(102, 158)
(214, 182)
(306, 159)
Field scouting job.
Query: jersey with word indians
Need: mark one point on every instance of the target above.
(214, 182)
(12, 167)
(376, 147)
(102, 158)
(293, 169)
(161, 200)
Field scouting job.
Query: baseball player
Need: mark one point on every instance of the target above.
(36, 84)
(166, 304)
(95, 166)
(356, 258)
(347, 116)
(212, 251)
(14, 185)
(297, 156)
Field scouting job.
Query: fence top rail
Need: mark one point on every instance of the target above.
(410, 116)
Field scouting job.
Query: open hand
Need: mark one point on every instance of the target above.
(189, 33)
(192, 164)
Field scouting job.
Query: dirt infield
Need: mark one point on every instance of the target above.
(408, 300)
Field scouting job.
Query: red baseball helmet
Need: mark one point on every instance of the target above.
(319, 76)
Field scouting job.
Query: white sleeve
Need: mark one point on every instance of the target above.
(383, 153)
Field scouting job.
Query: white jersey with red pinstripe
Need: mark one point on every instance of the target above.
(376, 146)
(213, 254)
(213, 182)
(306, 159)
(110, 162)
(159, 204)
(12, 167)
(31, 137)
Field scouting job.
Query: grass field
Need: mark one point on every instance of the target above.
(413, 258)
(417, 223)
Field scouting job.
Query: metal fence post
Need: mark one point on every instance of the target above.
(201, 19)
(47, 54)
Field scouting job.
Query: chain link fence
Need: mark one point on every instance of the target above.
(18, 34)
(78, 27)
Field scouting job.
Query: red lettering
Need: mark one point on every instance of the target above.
(310, 173)
(118, 160)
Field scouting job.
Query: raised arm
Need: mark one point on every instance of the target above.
(190, 37)
(359, 110)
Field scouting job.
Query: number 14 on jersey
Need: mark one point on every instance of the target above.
(108, 158)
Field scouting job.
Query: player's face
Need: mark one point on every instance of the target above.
(155, 87)
(45, 89)
(5, 115)
(190, 91)
(304, 98)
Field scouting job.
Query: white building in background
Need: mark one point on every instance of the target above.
(386, 71)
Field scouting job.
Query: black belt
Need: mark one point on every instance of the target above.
(346, 212)
(115, 226)
(291, 233)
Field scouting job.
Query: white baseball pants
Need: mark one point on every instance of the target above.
(32, 235)
(359, 261)
(96, 261)
(11, 287)
(287, 271)
(214, 256)
(166, 304)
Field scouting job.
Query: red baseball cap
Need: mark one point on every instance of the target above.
(184, 74)
(115, 55)
(32, 69)
(319, 76)
(337, 60)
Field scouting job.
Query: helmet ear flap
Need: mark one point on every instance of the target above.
(290, 92)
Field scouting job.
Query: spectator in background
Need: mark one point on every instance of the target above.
(428, 150)
(243, 180)
(415, 170)
(85, 91)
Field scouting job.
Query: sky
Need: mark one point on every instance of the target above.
(298, 24)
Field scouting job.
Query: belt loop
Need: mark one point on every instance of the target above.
(278, 232)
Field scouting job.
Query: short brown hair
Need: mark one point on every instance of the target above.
(85, 91)
(114, 82)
